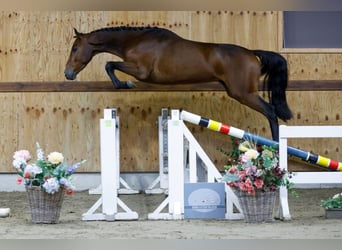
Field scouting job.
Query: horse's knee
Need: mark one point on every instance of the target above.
(109, 66)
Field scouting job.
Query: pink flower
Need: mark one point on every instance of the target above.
(232, 170)
(248, 183)
(19, 180)
(242, 174)
(244, 158)
(251, 191)
(27, 175)
(233, 184)
(242, 186)
(259, 183)
(69, 191)
(22, 154)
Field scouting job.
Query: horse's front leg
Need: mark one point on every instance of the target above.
(110, 67)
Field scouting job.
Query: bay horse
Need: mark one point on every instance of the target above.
(158, 55)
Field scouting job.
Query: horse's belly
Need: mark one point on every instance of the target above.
(190, 73)
(181, 62)
(179, 78)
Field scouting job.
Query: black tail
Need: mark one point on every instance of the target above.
(274, 67)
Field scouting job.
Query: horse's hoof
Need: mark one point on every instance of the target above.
(130, 84)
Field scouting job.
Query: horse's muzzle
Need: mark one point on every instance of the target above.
(69, 74)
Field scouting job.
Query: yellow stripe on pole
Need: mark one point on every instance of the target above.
(339, 168)
(214, 125)
(323, 161)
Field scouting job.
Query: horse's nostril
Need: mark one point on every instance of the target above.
(69, 74)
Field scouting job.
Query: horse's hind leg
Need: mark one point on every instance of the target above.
(110, 67)
(269, 112)
(242, 85)
(254, 101)
(257, 103)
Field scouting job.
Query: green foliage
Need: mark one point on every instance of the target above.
(233, 155)
(332, 202)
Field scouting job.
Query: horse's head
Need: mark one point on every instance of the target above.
(80, 55)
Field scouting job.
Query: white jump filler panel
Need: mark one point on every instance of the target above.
(110, 174)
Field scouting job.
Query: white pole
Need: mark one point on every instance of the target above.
(109, 168)
(176, 168)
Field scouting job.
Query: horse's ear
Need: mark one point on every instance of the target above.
(77, 34)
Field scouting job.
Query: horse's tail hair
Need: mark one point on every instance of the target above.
(274, 68)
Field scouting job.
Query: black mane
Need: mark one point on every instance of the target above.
(121, 28)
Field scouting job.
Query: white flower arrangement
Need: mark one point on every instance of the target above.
(51, 173)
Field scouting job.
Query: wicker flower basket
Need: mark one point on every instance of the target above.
(44, 207)
(256, 208)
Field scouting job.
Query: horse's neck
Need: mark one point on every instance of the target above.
(113, 41)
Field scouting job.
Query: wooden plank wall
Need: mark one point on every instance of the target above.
(34, 48)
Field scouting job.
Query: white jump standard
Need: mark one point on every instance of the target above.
(110, 174)
(163, 178)
(308, 178)
(179, 173)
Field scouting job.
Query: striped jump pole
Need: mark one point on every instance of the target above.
(241, 134)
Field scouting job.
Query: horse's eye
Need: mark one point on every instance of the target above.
(74, 49)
